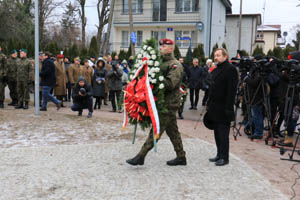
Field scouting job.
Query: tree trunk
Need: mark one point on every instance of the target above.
(111, 13)
(83, 23)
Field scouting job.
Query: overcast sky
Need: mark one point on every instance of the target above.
(282, 12)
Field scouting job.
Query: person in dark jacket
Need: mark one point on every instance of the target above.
(115, 84)
(206, 78)
(220, 110)
(98, 82)
(82, 97)
(194, 79)
(48, 81)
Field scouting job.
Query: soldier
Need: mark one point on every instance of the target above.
(75, 71)
(184, 89)
(3, 78)
(12, 78)
(23, 80)
(87, 71)
(173, 73)
(60, 90)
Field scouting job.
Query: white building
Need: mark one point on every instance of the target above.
(250, 23)
(203, 21)
(268, 37)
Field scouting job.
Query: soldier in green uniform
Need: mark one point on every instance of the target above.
(12, 77)
(3, 77)
(23, 80)
(173, 74)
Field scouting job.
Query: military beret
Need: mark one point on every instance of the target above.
(59, 56)
(23, 50)
(13, 51)
(166, 41)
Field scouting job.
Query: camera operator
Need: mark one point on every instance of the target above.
(115, 84)
(256, 102)
(82, 97)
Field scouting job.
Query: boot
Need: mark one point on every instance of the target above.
(288, 142)
(1, 104)
(177, 161)
(180, 116)
(90, 115)
(12, 103)
(95, 106)
(26, 105)
(137, 160)
(79, 113)
(19, 106)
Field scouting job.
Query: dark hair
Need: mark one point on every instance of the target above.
(48, 54)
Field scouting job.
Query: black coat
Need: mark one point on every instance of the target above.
(99, 89)
(222, 93)
(83, 100)
(194, 77)
(47, 74)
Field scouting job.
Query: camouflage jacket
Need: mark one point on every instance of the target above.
(23, 70)
(172, 71)
(12, 68)
(3, 71)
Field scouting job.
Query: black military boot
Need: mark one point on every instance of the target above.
(1, 104)
(26, 105)
(19, 106)
(137, 160)
(180, 116)
(177, 161)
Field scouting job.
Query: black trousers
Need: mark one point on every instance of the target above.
(113, 94)
(195, 92)
(84, 105)
(69, 91)
(205, 98)
(221, 132)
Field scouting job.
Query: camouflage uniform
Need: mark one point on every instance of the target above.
(23, 80)
(173, 73)
(3, 77)
(12, 78)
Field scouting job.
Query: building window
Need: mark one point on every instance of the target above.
(187, 5)
(139, 38)
(137, 7)
(260, 36)
(158, 35)
(125, 39)
(186, 43)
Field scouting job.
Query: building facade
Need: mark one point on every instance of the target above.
(268, 37)
(195, 21)
(250, 23)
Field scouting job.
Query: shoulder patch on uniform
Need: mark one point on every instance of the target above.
(174, 66)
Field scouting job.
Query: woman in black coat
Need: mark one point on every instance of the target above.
(98, 82)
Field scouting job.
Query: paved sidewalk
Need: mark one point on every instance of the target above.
(100, 172)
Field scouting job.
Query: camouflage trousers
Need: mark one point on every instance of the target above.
(12, 85)
(168, 123)
(2, 90)
(23, 91)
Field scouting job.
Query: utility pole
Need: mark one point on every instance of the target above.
(131, 27)
(240, 25)
(36, 55)
(111, 13)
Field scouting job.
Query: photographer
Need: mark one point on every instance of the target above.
(256, 103)
(82, 97)
(115, 84)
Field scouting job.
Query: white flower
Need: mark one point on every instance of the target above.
(152, 71)
(156, 64)
(145, 54)
(157, 69)
(153, 52)
(136, 65)
(131, 77)
(139, 56)
(142, 51)
(153, 75)
(149, 48)
(140, 62)
(150, 79)
(161, 86)
(144, 62)
(148, 57)
(145, 47)
(153, 57)
(161, 78)
(153, 81)
(150, 62)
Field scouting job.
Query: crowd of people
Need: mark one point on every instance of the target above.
(89, 83)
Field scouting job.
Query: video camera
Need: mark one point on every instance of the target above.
(82, 91)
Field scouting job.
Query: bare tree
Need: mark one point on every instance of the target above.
(103, 16)
(46, 8)
(106, 42)
(82, 16)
